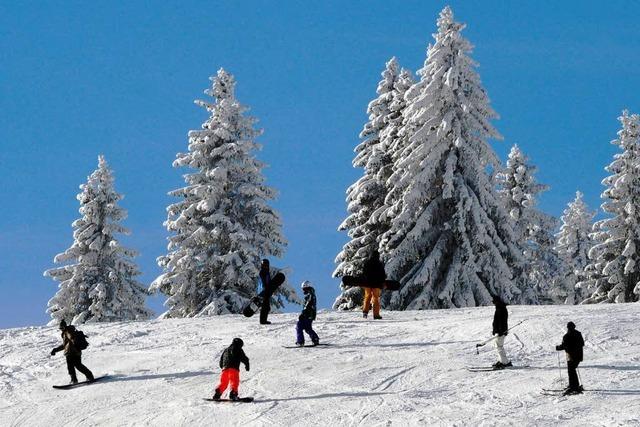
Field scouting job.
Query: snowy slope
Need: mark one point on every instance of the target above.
(408, 368)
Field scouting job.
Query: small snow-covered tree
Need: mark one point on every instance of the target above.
(450, 243)
(366, 197)
(99, 281)
(614, 270)
(519, 191)
(573, 242)
(222, 223)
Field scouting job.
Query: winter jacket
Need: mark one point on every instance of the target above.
(500, 320)
(373, 271)
(232, 356)
(67, 343)
(572, 344)
(309, 306)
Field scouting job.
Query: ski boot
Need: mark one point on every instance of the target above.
(365, 314)
(377, 317)
(217, 395)
(497, 366)
(507, 365)
(315, 343)
(300, 344)
(233, 395)
(572, 391)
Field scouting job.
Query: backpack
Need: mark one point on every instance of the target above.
(80, 340)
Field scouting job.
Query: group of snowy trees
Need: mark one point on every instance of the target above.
(453, 224)
(222, 226)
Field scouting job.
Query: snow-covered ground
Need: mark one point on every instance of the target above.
(407, 369)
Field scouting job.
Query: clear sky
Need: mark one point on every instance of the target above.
(119, 79)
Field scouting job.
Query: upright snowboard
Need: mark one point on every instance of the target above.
(256, 302)
(78, 384)
(351, 281)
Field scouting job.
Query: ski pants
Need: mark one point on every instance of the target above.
(229, 376)
(500, 347)
(265, 308)
(574, 382)
(304, 325)
(371, 296)
(74, 361)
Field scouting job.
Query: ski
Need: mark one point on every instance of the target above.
(307, 346)
(491, 368)
(240, 400)
(81, 383)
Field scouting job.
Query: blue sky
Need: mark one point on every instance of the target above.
(78, 80)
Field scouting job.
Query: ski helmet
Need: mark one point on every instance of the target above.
(306, 285)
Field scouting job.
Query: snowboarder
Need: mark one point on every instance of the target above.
(501, 328)
(374, 275)
(308, 315)
(73, 351)
(230, 361)
(572, 344)
(266, 290)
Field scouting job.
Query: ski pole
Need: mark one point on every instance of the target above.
(559, 368)
(495, 336)
(579, 378)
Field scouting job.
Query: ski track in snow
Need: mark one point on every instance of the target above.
(407, 369)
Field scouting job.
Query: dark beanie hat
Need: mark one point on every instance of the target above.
(571, 326)
(63, 324)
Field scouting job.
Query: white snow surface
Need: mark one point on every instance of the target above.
(407, 369)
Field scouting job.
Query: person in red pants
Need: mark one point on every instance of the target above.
(230, 361)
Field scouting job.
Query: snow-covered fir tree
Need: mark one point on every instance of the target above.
(222, 225)
(519, 191)
(613, 274)
(450, 243)
(366, 197)
(99, 281)
(573, 243)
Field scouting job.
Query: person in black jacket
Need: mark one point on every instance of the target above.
(307, 316)
(267, 292)
(572, 344)
(501, 329)
(230, 361)
(72, 353)
(374, 274)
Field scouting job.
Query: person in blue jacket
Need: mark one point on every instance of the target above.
(308, 315)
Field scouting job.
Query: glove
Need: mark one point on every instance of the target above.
(301, 317)
(53, 352)
(558, 347)
(247, 367)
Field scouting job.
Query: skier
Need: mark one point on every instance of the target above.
(72, 353)
(500, 328)
(373, 272)
(307, 316)
(572, 344)
(230, 361)
(265, 291)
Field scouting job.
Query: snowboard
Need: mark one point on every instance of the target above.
(256, 302)
(78, 384)
(240, 400)
(351, 281)
(306, 345)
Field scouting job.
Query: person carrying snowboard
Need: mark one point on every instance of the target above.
(374, 276)
(307, 316)
(501, 328)
(230, 361)
(72, 346)
(572, 344)
(266, 291)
